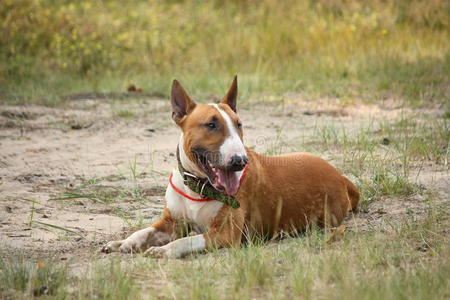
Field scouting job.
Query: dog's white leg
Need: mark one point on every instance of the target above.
(139, 241)
(226, 231)
(158, 234)
(179, 248)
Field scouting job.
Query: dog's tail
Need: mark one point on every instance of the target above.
(353, 194)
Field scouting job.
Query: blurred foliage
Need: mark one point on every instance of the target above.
(338, 48)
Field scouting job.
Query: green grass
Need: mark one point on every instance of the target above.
(124, 113)
(384, 158)
(351, 50)
(107, 281)
(420, 139)
(20, 276)
(406, 261)
(383, 263)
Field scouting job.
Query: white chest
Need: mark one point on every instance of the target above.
(181, 207)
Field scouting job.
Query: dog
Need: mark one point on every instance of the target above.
(233, 193)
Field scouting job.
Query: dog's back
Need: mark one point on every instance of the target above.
(290, 192)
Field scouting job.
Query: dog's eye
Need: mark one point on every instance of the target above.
(211, 125)
(239, 125)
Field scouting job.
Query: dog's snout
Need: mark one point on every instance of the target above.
(238, 162)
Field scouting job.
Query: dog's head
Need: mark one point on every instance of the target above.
(212, 137)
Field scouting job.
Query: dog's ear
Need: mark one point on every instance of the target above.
(231, 96)
(181, 103)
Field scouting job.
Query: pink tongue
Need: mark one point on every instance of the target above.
(229, 181)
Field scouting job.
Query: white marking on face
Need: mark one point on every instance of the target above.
(233, 144)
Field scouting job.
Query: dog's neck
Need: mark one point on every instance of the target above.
(200, 183)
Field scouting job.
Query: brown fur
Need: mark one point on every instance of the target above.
(284, 193)
(279, 193)
(290, 192)
(166, 224)
(195, 134)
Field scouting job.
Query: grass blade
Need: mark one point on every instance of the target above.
(72, 195)
(59, 227)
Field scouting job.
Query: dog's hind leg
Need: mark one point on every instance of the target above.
(158, 234)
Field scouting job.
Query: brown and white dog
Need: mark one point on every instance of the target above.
(275, 193)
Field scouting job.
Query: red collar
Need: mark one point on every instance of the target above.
(201, 199)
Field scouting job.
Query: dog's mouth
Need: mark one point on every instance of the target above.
(223, 179)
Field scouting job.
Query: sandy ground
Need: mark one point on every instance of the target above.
(126, 147)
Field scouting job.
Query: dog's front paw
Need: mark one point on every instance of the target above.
(137, 242)
(157, 252)
(112, 246)
(129, 245)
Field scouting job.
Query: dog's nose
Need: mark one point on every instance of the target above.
(237, 160)
(237, 163)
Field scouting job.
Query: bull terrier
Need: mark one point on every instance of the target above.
(232, 192)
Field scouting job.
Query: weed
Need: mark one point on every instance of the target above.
(124, 113)
(250, 268)
(383, 182)
(50, 279)
(18, 274)
(382, 156)
(107, 281)
(276, 146)
(419, 140)
(58, 227)
(15, 273)
(72, 195)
